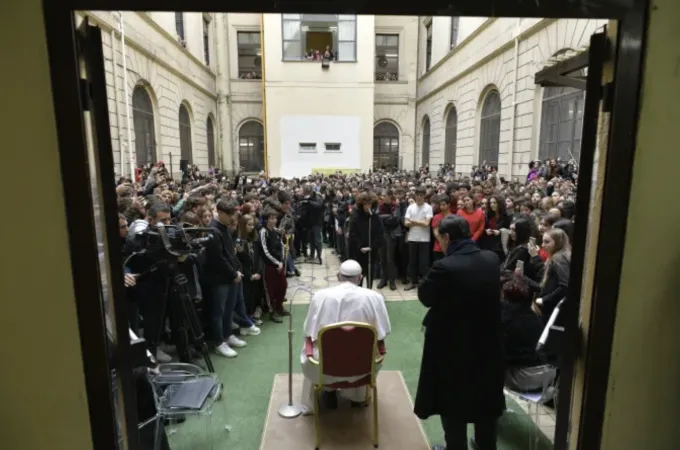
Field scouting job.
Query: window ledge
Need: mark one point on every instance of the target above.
(247, 80)
(391, 81)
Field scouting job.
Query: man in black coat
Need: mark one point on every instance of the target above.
(461, 374)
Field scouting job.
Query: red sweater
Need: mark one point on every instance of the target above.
(476, 220)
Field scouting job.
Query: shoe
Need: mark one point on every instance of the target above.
(438, 447)
(275, 318)
(296, 272)
(411, 287)
(258, 313)
(285, 300)
(320, 261)
(382, 284)
(162, 357)
(226, 351)
(283, 313)
(251, 330)
(233, 341)
(234, 326)
(393, 286)
(257, 322)
(290, 274)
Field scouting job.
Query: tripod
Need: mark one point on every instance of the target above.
(185, 322)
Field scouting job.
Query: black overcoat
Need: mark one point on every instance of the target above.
(461, 373)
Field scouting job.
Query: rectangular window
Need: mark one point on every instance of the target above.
(179, 27)
(315, 37)
(307, 147)
(332, 147)
(206, 41)
(386, 57)
(428, 47)
(455, 25)
(249, 55)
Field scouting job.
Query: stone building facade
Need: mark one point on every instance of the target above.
(191, 88)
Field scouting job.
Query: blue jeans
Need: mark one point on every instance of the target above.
(227, 300)
(240, 316)
(290, 260)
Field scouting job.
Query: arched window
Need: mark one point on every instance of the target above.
(251, 146)
(211, 143)
(561, 123)
(490, 129)
(451, 136)
(185, 134)
(385, 146)
(145, 131)
(426, 142)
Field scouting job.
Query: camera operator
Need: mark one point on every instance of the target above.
(314, 208)
(223, 272)
(147, 291)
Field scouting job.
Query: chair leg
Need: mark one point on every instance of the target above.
(316, 417)
(368, 394)
(375, 417)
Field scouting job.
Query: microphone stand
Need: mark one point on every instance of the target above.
(290, 410)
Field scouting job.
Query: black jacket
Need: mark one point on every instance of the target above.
(311, 210)
(521, 330)
(221, 262)
(520, 253)
(556, 282)
(461, 374)
(359, 232)
(251, 259)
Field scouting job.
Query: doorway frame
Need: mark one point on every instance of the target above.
(59, 24)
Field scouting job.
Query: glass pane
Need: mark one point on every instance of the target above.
(346, 51)
(347, 17)
(566, 132)
(292, 50)
(291, 30)
(346, 31)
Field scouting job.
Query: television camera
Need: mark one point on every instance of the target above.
(169, 252)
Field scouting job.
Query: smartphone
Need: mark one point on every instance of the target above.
(520, 266)
(532, 241)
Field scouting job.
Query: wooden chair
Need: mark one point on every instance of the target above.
(347, 349)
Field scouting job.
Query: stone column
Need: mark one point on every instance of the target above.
(224, 120)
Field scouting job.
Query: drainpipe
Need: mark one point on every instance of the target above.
(229, 103)
(264, 98)
(514, 101)
(131, 154)
(114, 44)
(415, 119)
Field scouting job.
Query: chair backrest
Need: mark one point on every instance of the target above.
(347, 349)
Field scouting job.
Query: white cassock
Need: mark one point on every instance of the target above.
(346, 302)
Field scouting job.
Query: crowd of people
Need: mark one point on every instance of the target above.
(389, 225)
(264, 227)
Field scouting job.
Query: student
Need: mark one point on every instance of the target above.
(444, 202)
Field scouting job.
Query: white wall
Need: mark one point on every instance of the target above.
(344, 130)
(487, 60)
(170, 73)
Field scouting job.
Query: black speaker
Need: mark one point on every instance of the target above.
(183, 165)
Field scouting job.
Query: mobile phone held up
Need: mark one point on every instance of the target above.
(532, 241)
(520, 267)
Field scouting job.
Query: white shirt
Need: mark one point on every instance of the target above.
(422, 212)
(345, 302)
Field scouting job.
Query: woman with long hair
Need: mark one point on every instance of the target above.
(555, 271)
(253, 267)
(521, 232)
(497, 222)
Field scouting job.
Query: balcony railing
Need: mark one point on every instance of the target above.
(386, 76)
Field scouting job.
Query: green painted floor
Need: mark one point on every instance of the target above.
(248, 381)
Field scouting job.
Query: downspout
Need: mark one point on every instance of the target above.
(514, 101)
(233, 139)
(415, 118)
(264, 97)
(131, 155)
(119, 133)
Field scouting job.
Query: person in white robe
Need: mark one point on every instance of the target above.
(342, 303)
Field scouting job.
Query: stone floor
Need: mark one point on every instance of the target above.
(314, 277)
